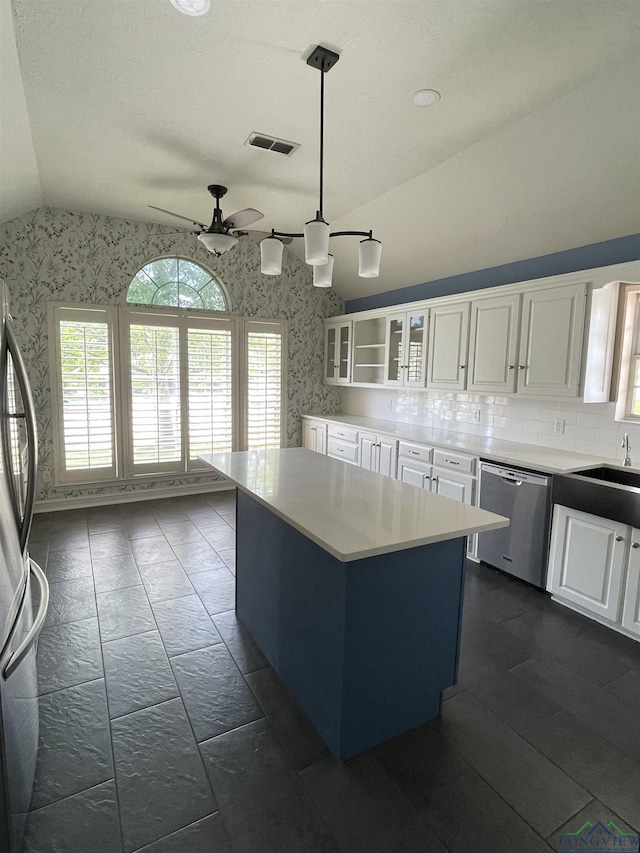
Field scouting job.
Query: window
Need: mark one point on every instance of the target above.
(146, 391)
(628, 398)
(177, 283)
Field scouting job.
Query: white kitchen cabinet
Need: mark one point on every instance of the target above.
(452, 484)
(415, 473)
(493, 345)
(337, 353)
(448, 339)
(369, 347)
(343, 443)
(551, 338)
(406, 349)
(378, 454)
(314, 435)
(587, 561)
(631, 607)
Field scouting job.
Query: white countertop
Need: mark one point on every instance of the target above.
(350, 512)
(537, 458)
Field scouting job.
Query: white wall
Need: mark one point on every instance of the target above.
(589, 427)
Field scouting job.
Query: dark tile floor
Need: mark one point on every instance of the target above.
(164, 730)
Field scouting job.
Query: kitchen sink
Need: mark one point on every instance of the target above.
(605, 491)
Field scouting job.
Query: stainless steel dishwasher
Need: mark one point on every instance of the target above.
(524, 497)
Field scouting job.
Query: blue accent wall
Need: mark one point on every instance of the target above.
(617, 251)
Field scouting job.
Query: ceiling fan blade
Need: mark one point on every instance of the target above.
(179, 216)
(258, 236)
(243, 217)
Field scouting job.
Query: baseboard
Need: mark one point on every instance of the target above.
(596, 618)
(57, 504)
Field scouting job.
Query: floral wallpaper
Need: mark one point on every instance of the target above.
(55, 255)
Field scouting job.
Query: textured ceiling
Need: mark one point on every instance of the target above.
(131, 103)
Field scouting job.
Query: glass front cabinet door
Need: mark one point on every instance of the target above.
(337, 354)
(406, 349)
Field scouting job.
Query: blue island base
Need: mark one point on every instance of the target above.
(366, 647)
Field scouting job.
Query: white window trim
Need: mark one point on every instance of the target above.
(630, 348)
(119, 319)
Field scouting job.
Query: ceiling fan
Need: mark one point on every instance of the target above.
(223, 234)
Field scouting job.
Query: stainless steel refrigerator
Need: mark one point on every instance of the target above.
(24, 592)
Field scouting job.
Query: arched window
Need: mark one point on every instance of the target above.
(177, 283)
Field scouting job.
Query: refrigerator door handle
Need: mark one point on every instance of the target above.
(29, 415)
(11, 659)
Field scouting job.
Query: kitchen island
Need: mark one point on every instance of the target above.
(351, 584)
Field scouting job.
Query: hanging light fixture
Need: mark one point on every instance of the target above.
(317, 232)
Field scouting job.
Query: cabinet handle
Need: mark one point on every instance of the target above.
(463, 366)
(451, 462)
(511, 366)
(635, 544)
(522, 367)
(619, 538)
(414, 452)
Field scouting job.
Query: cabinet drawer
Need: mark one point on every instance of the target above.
(457, 461)
(415, 451)
(343, 433)
(341, 450)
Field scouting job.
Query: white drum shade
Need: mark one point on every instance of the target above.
(316, 242)
(369, 258)
(271, 256)
(323, 273)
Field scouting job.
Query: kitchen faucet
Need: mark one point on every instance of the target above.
(625, 444)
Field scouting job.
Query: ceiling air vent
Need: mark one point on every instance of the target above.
(272, 143)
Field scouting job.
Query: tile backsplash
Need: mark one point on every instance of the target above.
(583, 427)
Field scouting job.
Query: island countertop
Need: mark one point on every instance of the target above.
(350, 512)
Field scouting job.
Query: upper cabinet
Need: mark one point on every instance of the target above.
(406, 349)
(448, 333)
(337, 353)
(369, 350)
(493, 345)
(551, 341)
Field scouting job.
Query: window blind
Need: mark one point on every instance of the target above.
(85, 385)
(210, 364)
(264, 386)
(156, 419)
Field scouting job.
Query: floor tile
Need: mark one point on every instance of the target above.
(117, 572)
(65, 540)
(216, 588)
(84, 822)
(365, 809)
(151, 549)
(593, 762)
(165, 580)
(204, 836)
(244, 651)
(70, 601)
(302, 743)
(138, 673)
(69, 565)
(215, 695)
(139, 527)
(468, 815)
(179, 532)
(105, 522)
(626, 687)
(123, 612)
(109, 545)
(197, 557)
(75, 747)
(263, 802)
(610, 831)
(69, 654)
(532, 785)
(157, 763)
(39, 553)
(184, 625)
(221, 538)
(229, 559)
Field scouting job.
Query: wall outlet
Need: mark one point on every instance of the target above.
(475, 416)
(558, 426)
(390, 405)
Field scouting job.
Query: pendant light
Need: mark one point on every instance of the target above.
(317, 232)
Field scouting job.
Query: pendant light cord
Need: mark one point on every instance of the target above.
(321, 140)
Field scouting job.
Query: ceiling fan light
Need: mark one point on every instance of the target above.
(271, 256)
(369, 254)
(323, 273)
(191, 7)
(316, 242)
(217, 243)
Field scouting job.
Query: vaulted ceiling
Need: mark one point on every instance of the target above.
(111, 105)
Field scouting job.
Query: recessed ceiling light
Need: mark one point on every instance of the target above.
(191, 7)
(423, 97)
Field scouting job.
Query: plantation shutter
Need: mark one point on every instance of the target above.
(84, 386)
(265, 384)
(210, 365)
(155, 405)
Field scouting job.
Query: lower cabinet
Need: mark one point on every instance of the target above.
(314, 435)
(342, 443)
(452, 484)
(595, 563)
(379, 454)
